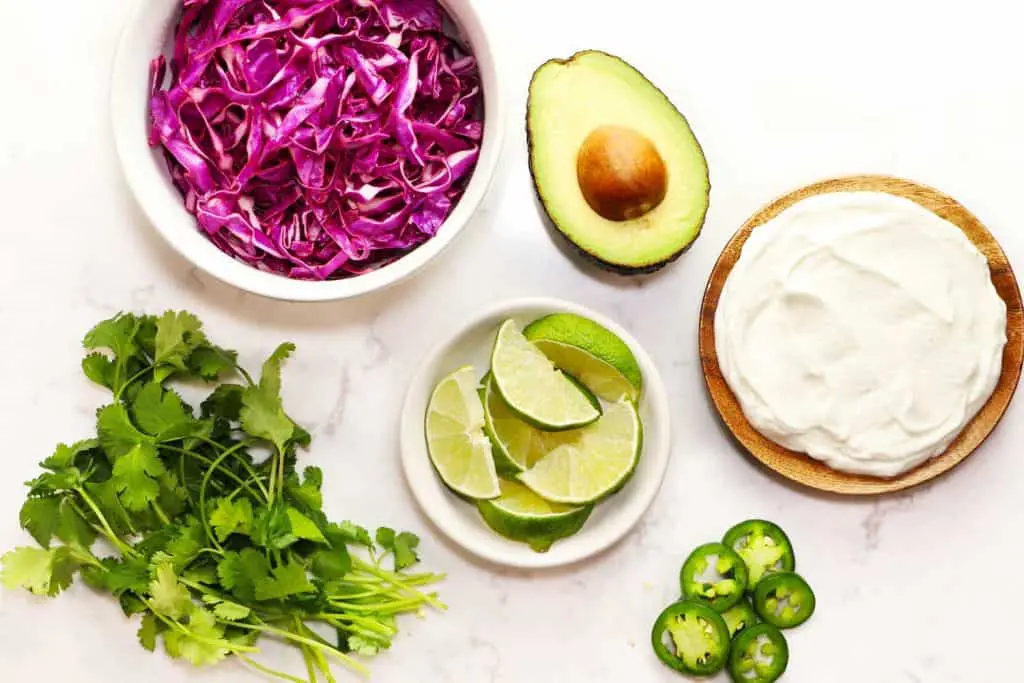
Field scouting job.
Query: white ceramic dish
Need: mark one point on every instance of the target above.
(146, 35)
(459, 520)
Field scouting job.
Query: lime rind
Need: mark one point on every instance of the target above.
(534, 389)
(457, 445)
(592, 353)
(522, 516)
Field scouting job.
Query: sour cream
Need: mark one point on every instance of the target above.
(861, 329)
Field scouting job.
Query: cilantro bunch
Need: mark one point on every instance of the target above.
(184, 519)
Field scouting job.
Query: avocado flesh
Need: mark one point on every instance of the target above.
(568, 100)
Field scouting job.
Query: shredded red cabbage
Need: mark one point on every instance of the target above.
(317, 139)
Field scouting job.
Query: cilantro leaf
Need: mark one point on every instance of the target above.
(187, 543)
(285, 580)
(100, 369)
(135, 474)
(367, 644)
(225, 609)
(177, 335)
(169, 597)
(347, 532)
(262, 413)
(117, 434)
(210, 362)
(146, 336)
(202, 572)
(306, 494)
(402, 546)
(303, 527)
(405, 550)
(239, 572)
(47, 517)
(272, 528)
(232, 516)
(64, 456)
(161, 413)
(173, 498)
(43, 572)
(224, 402)
(129, 574)
(105, 495)
(202, 644)
(118, 335)
(148, 631)
(73, 529)
(40, 517)
(50, 483)
(331, 564)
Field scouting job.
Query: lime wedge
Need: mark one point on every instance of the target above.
(517, 445)
(591, 353)
(533, 388)
(521, 515)
(591, 463)
(459, 449)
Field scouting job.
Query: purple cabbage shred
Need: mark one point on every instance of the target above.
(317, 139)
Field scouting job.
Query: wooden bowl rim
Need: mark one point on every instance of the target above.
(812, 473)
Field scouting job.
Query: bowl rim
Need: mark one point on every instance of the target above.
(161, 203)
(439, 505)
(801, 468)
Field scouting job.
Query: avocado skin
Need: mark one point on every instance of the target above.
(593, 259)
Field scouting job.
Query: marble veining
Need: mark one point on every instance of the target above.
(778, 98)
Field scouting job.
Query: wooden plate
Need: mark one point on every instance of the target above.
(805, 470)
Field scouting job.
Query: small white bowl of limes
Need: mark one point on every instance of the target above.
(537, 435)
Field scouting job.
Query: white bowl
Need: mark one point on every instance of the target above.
(147, 35)
(459, 520)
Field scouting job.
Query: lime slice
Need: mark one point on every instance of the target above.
(589, 352)
(534, 389)
(521, 515)
(517, 445)
(459, 449)
(591, 463)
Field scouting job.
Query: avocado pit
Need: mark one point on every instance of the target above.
(620, 173)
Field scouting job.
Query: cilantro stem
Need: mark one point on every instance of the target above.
(321, 663)
(131, 380)
(125, 549)
(306, 654)
(393, 579)
(289, 635)
(178, 626)
(317, 655)
(234, 449)
(245, 375)
(343, 620)
(160, 513)
(268, 671)
(214, 466)
(393, 607)
(228, 473)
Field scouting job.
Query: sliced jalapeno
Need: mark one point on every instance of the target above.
(763, 546)
(715, 575)
(740, 616)
(784, 600)
(759, 654)
(692, 638)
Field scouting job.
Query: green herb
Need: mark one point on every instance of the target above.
(215, 548)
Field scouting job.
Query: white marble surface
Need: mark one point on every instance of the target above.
(919, 588)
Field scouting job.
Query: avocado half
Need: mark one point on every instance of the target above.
(616, 166)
